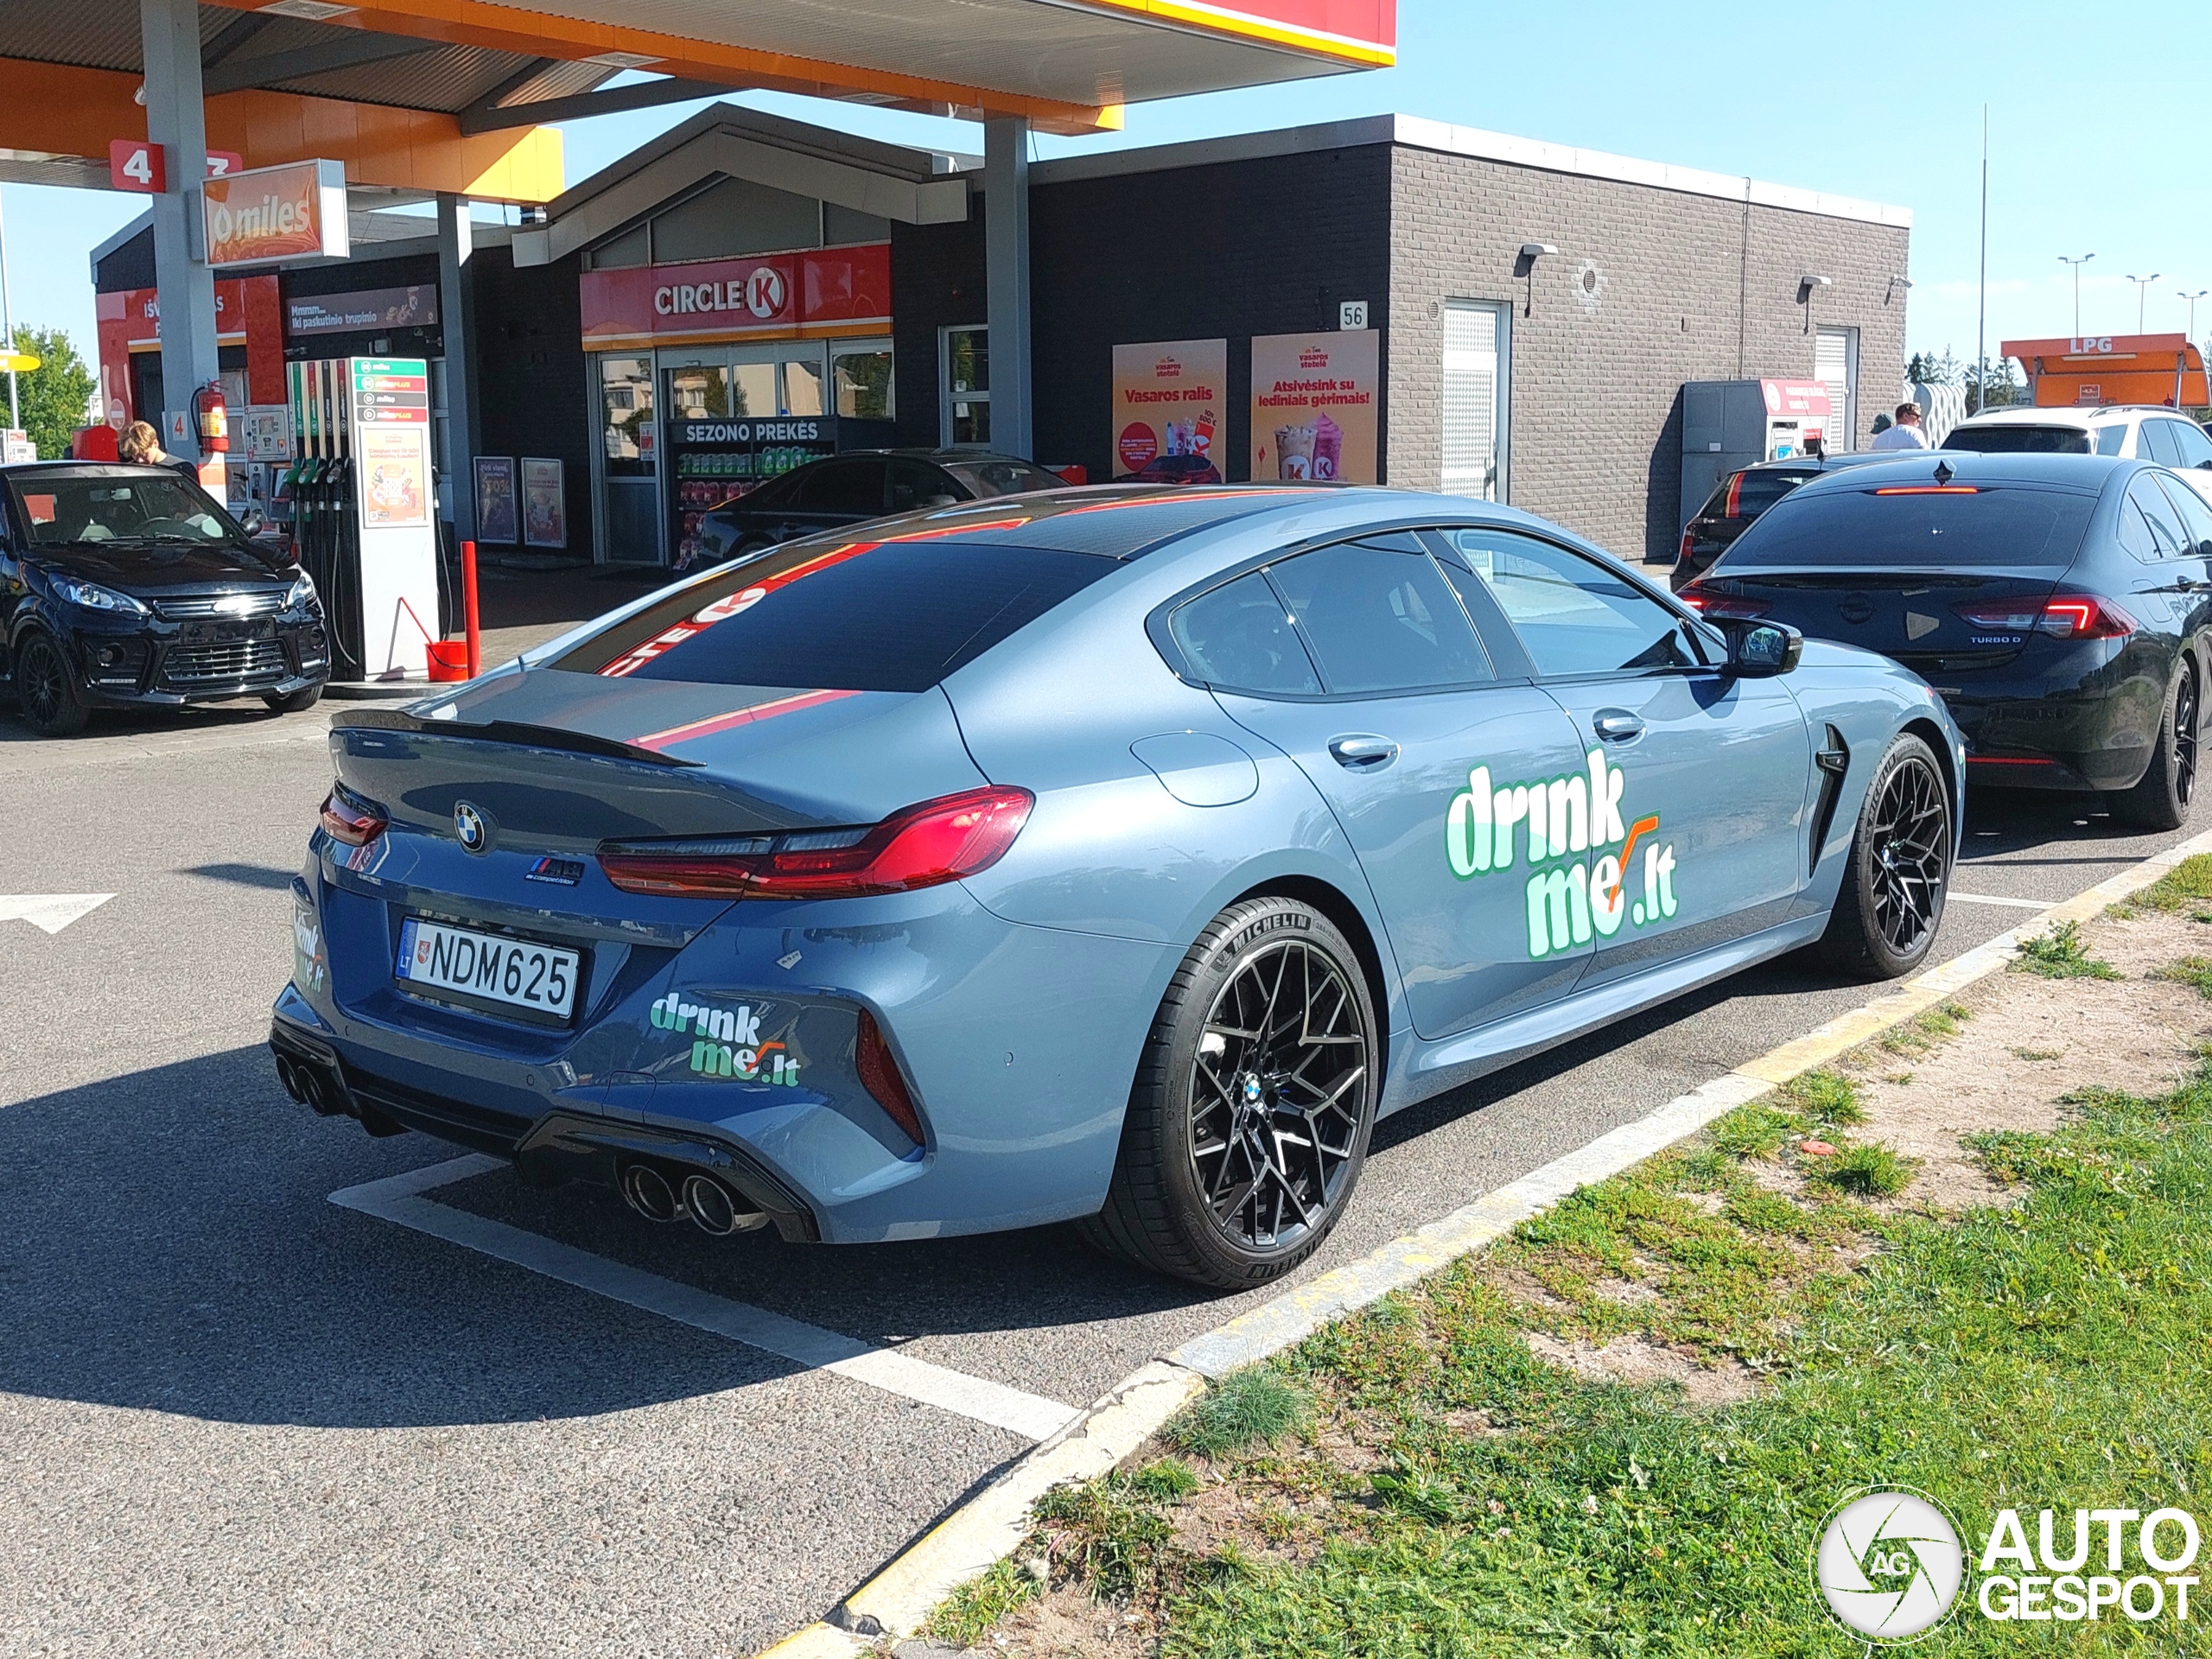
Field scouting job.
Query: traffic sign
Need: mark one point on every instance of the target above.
(17, 362)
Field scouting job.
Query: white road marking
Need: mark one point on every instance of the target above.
(1992, 899)
(398, 1198)
(49, 911)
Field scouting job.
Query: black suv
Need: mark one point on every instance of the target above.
(129, 586)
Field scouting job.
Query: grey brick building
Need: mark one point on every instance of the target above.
(1662, 274)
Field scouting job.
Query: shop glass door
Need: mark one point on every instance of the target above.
(734, 384)
(629, 456)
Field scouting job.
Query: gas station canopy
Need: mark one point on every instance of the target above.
(452, 95)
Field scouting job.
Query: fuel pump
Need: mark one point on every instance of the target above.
(362, 510)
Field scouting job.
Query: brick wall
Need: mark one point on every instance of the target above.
(1595, 434)
(1222, 252)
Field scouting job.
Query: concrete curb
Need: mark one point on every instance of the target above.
(990, 1525)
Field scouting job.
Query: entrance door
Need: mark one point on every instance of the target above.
(1706, 773)
(1440, 777)
(629, 461)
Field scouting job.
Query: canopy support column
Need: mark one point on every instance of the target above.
(1005, 239)
(176, 120)
(457, 322)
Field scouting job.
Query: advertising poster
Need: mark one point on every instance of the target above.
(1168, 399)
(496, 519)
(395, 472)
(544, 505)
(1314, 405)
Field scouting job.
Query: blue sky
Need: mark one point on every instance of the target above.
(2100, 134)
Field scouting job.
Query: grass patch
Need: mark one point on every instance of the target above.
(1252, 1405)
(2037, 1053)
(966, 1616)
(1866, 1171)
(1914, 1038)
(2190, 970)
(2049, 1353)
(1828, 1099)
(2062, 954)
(2187, 886)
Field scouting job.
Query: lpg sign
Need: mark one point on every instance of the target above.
(275, 214)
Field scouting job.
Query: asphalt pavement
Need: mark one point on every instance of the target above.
(236, 1417)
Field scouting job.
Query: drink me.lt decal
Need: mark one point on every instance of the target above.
(726, 1041)
(1559, 818)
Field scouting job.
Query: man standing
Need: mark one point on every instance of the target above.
(1905, 434)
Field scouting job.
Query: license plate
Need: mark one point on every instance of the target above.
(520, 973)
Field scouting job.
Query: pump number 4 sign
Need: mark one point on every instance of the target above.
(134, 164)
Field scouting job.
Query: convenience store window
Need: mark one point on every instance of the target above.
(861, 377)
(964, 371)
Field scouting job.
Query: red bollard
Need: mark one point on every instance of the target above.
(469, 608)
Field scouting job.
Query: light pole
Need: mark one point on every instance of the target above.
(2142, 291)
(2077, 264)
(2184, 293)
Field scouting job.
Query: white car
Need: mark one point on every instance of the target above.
(2141, 432)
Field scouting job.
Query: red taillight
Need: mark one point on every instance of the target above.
(1928, 489)
(925, 846)
(1713, 602)
(879, 1075)
(2068, 616)
(350, 820)
(1690, 541)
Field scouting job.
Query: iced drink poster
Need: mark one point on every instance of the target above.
(1168, 400)
(1313, 405)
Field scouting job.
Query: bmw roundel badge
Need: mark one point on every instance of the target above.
(469, 828)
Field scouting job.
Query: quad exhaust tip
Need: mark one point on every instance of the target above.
(713, 1208)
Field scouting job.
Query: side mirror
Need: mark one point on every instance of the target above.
(1759, 651)
(253, 521)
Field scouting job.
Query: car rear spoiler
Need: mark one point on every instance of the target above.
(518, 733)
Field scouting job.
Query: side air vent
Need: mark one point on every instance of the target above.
(1834, 759)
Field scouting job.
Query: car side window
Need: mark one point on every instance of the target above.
(2111, 440)
(1571, 614)
(916, 484)
(2194, 514)
(1379, 619)
(854, 486)
(2157, 443)
(2170, 541)
(2191, 440)
(1240, 637)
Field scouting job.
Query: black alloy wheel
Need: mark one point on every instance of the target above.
(1891, 900)
(1278, 1091)
(2161, 800)
(1250, 1120)
(46, 691)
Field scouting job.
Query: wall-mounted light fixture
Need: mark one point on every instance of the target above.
(1806, 286)
(1896, 284)
(1525, 268)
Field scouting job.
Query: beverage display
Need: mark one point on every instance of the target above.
(716, 461)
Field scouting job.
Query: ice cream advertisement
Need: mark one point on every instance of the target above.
(1313, 405)
(395, 475)
(1168, 408)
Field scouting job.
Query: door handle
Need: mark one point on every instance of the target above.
(1362, 752)
(1618, 724)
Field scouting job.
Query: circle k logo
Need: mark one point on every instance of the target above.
(1890, 1564)
(764, 291)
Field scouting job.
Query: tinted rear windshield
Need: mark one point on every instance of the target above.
(1749, 494)
(2020, 440)
(1852, 529)
(894, 616)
